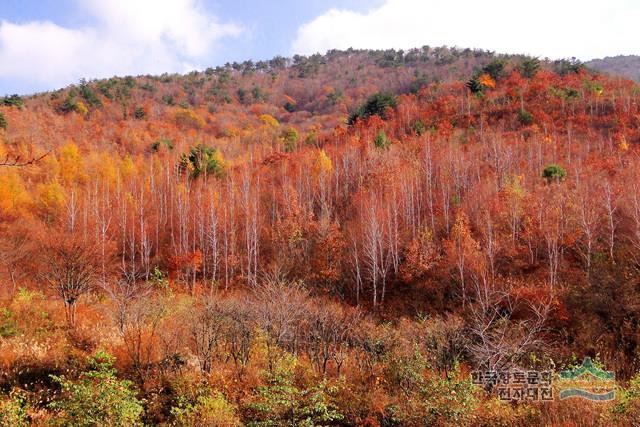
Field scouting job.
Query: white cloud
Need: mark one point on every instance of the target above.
(547, 28)
(126, 37)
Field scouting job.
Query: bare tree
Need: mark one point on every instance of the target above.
(328, 334)
(71, 266)
(124, 292)
(279, 306)
(14, 250)
(504, 327)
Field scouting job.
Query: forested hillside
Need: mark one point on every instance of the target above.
(325, 240)
(624, 66)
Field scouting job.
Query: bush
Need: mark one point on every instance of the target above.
(530, 67)
(554, 172)
(187, 119)
(486, 77)
(139, 113)
(626, 409)
(13, 101)
(525, 118)
(429, 398)
(71, 103)
(89, 95)
(290, 139)
(3, 121)
(498, 413)
(203, 159)
(208, 411)
(157, 145)
(290, 107)
(381, 140)
(376, 105)
(281, 403)
(495, 69)
(13, 412)
(98, 397)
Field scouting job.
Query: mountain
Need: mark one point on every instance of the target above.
(349, 239)
(625, 66)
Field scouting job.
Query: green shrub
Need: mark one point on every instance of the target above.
(3, 121)
(427, 397)
(376, 105)
(554, 172)
(88, 94)
(281, 403)
(139, 113)
(13, 411)
(157, 145)
(8, 323)
(626, 409)
(525, 117)
(290, 139)
(97, 398)
(290, 107)
(495, 69)
(530, 67)
(381, 140)
(13, 101)
(202, 159)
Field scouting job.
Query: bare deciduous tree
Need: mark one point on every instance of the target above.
(71, 265)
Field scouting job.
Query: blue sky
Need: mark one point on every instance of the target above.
(47, 44)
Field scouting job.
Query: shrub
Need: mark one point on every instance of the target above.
(203, 159)
(486, 77)
(429, 398)
(376, 105)
(498, 413)
(13, 412)
(290, 107)
(381, 140)
(290, 139)
(525, 117)
(626, 409)
(311, 139)
(187, 119)
(269, 120)
(208, 411)
(98, 397)
(281, 403)
(3, 121)
(89, 95)
(157, 145)
(554, 172)
(13, 101)
(139, 113)
(71, 103)
(530, 67)
(495, 69)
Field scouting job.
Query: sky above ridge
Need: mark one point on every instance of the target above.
(48, 44)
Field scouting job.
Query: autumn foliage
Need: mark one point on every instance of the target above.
(282, 242)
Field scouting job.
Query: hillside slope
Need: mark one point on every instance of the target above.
(326, 240)
(624, 66)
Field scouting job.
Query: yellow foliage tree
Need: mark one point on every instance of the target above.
(71, 168)
(323, 165)
(269, 120)
(14, 199)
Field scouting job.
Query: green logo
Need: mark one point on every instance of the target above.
(587, 382)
